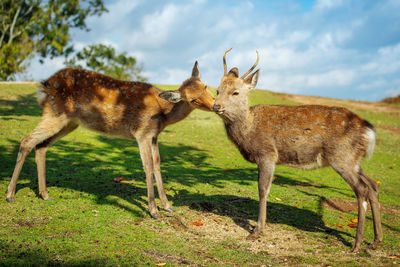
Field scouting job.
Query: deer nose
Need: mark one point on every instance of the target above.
(216, 108)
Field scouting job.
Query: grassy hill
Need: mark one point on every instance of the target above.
(95, 221)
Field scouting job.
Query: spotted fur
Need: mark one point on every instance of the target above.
(127, 109)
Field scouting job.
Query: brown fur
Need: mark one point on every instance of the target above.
(131, 110)
(306, 137)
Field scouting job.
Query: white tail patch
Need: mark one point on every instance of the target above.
(41, 95)
(370, 135)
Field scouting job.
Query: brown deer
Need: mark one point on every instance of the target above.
(307, 137)
(132, 110)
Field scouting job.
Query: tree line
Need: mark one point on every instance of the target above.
(36, 28)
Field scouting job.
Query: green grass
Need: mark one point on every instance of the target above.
(95, 221)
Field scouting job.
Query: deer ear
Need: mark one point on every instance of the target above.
(251, 81)
(195, 71)
(234, 72)
(171, 96)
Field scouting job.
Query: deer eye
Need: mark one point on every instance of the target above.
(235, 93)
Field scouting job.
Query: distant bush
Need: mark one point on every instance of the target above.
(392, 100)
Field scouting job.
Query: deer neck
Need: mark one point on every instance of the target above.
(177, 111)
(239, 123)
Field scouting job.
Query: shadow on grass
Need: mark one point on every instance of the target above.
(24, 105)
(91, 169)
(243, 209)
(34, 255)
(88, 168)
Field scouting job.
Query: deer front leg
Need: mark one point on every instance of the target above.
(157, 173)
(22, 153)
(265, 172)
(40, 158)
(147, 161)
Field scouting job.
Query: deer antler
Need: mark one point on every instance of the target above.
(224, 60)
(252, 68)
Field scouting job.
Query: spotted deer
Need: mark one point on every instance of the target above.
(132, 110)
(307, 137)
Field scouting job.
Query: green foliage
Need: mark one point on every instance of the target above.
(104, 59)
(36, 27)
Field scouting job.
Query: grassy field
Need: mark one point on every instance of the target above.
(96, 221)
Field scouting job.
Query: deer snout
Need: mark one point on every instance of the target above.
(216, 108)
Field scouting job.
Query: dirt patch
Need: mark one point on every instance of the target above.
(19, 82)
(286, 245)
(161, 258)
(195, 225)
(367, 106)
(391, 129)
(349, 205)
(339, 204)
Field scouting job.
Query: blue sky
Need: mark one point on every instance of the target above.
(335, 48)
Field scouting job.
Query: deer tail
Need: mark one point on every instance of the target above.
(370, 136)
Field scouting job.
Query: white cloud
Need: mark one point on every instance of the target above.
(155, 27)
(328, 4)
(337, 48)
(171, 76)
(392, 92)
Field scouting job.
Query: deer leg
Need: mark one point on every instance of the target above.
(47, 127)
(373, 197)
(147, 161)
(22, 153)
(40, 157)
(361, 190)
(362, 210)
(265, 173)
(157, 173)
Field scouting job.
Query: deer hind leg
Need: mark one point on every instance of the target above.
(40, 156)
(373, 196)
(147, 161)
(361, 189)
(157, 174)
(265, 173)
(47, 127)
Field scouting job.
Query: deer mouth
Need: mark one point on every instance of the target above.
(220, 112)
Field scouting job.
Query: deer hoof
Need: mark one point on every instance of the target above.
(10, 199)
(355, 249)
(374, 245)
(170, 210)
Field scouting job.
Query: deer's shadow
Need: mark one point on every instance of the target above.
(243, 209)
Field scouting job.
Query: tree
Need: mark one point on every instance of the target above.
(104, 59)
(35, 27)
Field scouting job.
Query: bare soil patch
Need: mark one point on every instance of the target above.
(162, 258)
(348, 205)
(200, 222)
(367, 106)
(19, 82)
(196, 225)
(391, 129)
